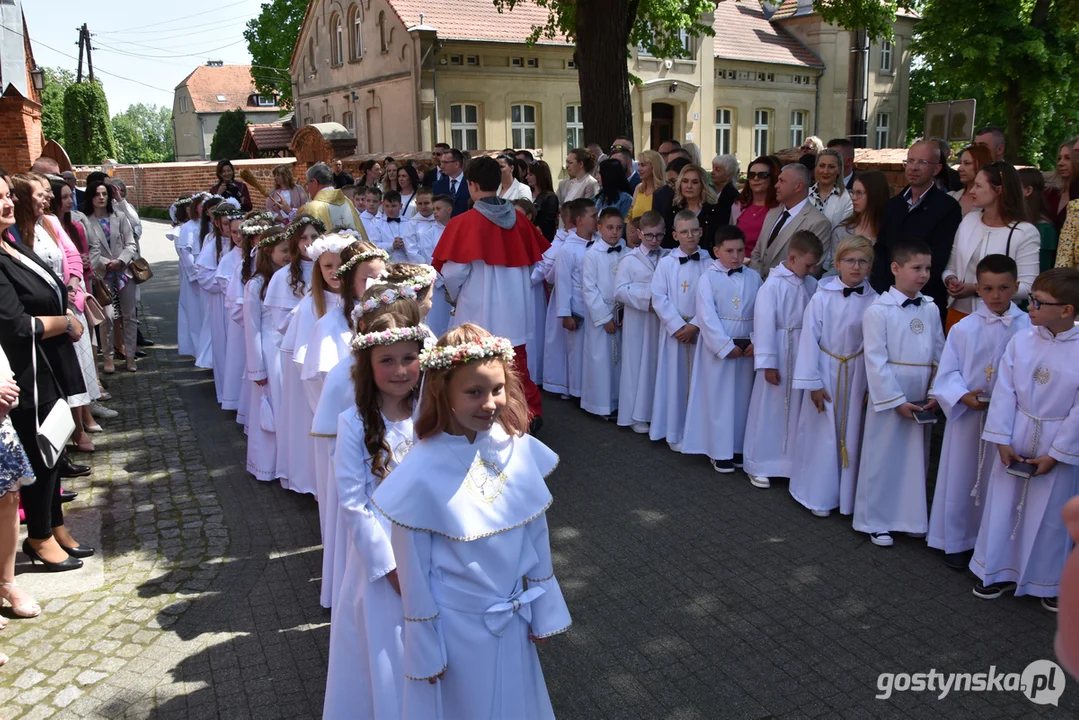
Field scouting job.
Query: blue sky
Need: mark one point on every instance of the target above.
(151, 44)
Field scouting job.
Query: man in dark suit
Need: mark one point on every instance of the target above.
(432, 175)
(921, 211)
(846, 149)
(724, 172)
(452, 182)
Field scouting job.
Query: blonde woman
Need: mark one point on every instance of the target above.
(692, 192)
(651, 168)
(828, 194)
(286, 197)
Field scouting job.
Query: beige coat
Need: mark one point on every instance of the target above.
(120, 245)
(766, 256)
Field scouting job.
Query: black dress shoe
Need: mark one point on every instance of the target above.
(71, 563)
(144, 341)
(536, 425)
(67, 496)
(69, 469)
(77, 552)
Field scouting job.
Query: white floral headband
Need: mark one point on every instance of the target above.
(446, 356)
(332, 243)
(424, 278)
(360, 257)
(415, 333)
(387, 297)
(269, 241)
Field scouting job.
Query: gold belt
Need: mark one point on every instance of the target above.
(842, 385)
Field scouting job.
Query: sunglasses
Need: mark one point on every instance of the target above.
(758, 175)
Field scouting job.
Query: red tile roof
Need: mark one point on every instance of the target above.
(789, 8)
(263, 138)
(475, 20)
(233, 82)
(743, 33)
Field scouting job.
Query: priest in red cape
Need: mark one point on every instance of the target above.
(485, 257)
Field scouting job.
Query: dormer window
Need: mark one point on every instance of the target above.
(222, 98)
(263, 101)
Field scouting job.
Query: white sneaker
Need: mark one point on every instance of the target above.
(822, 513)
(101, 412)
(760, 481)
(881, 539)
(640, 428)
(677, 447)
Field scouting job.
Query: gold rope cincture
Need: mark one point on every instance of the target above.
(982, 446)
(842, 384)
(788, 384)
(689, 362)
(1035, 441)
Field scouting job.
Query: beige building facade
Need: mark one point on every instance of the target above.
(404, 74)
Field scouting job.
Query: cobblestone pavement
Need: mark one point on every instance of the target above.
(693, 595)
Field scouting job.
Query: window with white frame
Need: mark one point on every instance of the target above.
(762, 120)
(523, 126)
(349, 121)
(356, 43)
(724, 130)
(798, 127)
(265, 101)
(886, 56)
(574, 127)
(337, 41)
(688, 43)
(883, 123)
(464, 127)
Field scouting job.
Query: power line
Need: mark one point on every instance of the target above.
(184, 18)
(171, 55)
(103, 72)
(226, 28)
(165, 32)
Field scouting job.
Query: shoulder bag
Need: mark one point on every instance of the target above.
(58, 427)
(140, 270)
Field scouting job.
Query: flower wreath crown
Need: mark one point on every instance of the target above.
(271, 239)
(446, 356)
(298, 223)
(333, 243)
(424, 278)
(417, 333)
(184, 201)
(387, 297)
(359, 258)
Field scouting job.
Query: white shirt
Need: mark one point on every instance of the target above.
(383, 233)
(494, 297)
(974, 240)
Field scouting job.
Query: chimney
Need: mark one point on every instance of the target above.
(215, 63)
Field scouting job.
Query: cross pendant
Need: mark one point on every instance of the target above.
(736, 300)
(685, 286)
(989, 370)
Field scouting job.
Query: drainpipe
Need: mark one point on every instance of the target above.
(816, 108)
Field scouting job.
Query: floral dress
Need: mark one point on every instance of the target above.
(15, 467)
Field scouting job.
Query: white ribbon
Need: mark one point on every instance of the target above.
(498, 616)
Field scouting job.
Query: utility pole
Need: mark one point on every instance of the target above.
(78, 77)
(84, 41)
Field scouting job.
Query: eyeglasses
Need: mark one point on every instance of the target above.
(1037, 304)
(670, 183)
(854, 262)
(695, 232)
(758, 175)
(918, 163)
(651, 236)
(857, 193)
(807, 147)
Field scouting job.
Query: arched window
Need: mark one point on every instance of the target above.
(355, 23)
(311, 54)
(382, 31)
(337, 41)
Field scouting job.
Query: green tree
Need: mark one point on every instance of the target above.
(52, 102)
(270, 39)
(87, 131)
(604, 30)
(144, 134)
(1016, 57)
(229, 136)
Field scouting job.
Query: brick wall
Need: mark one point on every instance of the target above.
(157, 185)
(20, 138)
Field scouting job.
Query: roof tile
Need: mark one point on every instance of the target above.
(476, 20)
(232, 82)
(743, 33)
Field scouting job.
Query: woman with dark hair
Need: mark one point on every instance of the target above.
(580, 183)
(370, 173)
(997, 225)
(112, 249)
(510, 187)
(869, 196)
(228, 186)
(544, 198)
(614, 187)
(758, 196)
(37, 332)
(409, 182)
(971, 161)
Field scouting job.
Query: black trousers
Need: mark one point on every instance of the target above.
(41, 500)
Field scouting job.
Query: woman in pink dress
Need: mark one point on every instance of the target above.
(757, 198)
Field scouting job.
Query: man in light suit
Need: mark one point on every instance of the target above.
(793, 213)
(452, 182)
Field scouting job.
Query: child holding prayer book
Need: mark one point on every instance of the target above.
(968, 371)
(1034, 421)
(830, 367)
(603, 322)
(903, 339)
(569, 293)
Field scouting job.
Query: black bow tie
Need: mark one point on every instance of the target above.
(687, 258)
(614, 248)
(848, 290)
(916, 302)
(733, 271)
(589, 243)
(396, 220)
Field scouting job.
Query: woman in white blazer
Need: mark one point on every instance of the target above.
(112, 250)
(997, 225)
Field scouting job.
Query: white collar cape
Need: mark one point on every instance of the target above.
(304, 322)
(279, 293)
(1013, 311)
(834, 284)
(463, 491)
(338, 395)
(327, 344)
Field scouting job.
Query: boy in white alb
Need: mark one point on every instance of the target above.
(424, 234)
(674, 298)
(830, 370)
(1034, 419)
(903, 339)
(777, 326)
(969, 366)
(640, 324)
(602, 326)
(569, 291)
(722, 380)
(555, 360)
(372, 200)
(390, 233)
